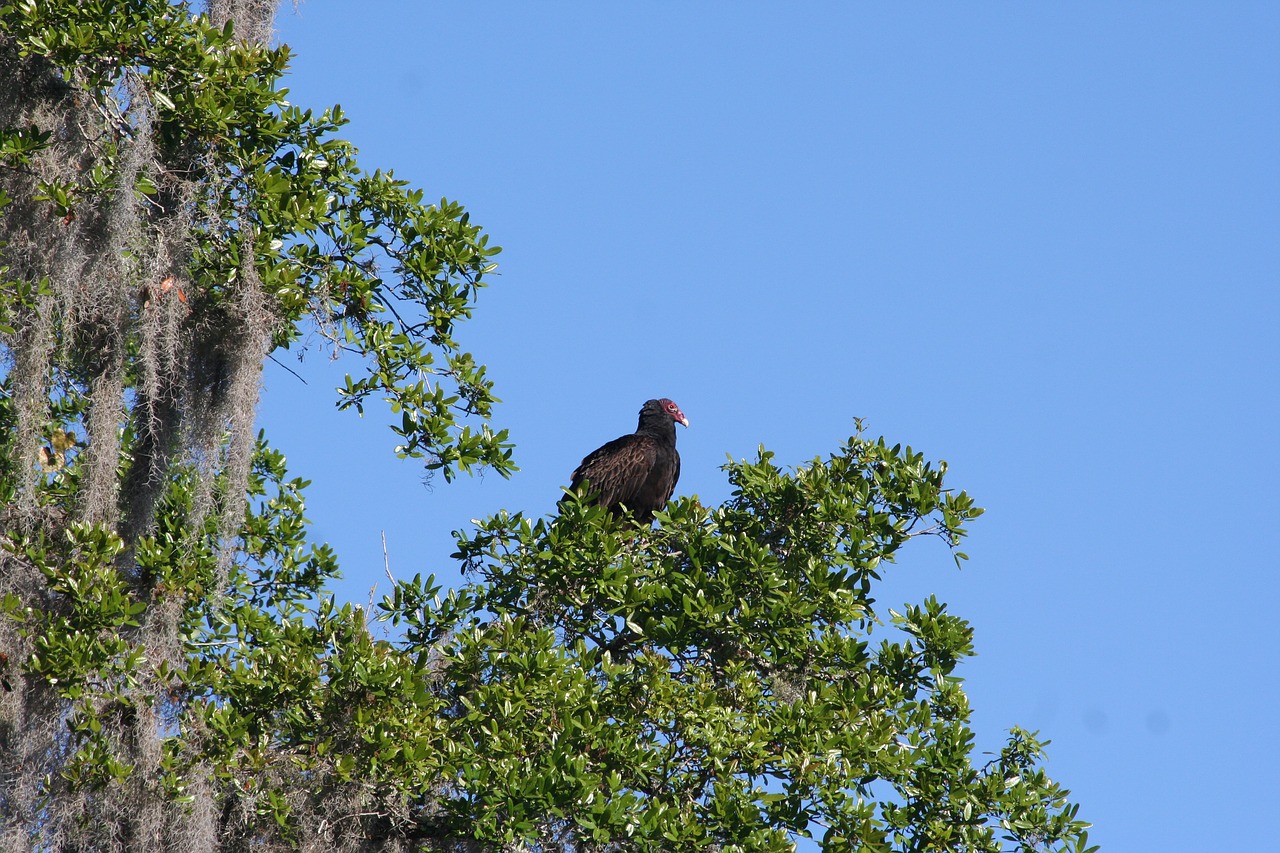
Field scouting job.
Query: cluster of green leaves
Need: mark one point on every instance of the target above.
(724, 681)
(713, 682)
(250, 642)
(78, 646)
(383, 274)
(710, 683)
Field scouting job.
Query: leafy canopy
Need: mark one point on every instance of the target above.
(173, 670)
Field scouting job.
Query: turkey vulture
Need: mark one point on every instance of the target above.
(637, 471)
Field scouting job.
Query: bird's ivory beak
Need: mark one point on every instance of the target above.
(684, 421)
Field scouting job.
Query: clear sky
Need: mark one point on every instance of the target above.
(1040, 241)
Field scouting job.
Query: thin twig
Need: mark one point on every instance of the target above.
(386, 562)
(287, 367)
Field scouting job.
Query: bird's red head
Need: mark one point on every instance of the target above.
(673, 410)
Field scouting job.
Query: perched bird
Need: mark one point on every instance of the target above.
(637, 471)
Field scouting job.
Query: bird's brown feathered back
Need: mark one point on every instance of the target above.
(637, 471)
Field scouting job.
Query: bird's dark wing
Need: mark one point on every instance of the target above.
(619, 470)
(659, 485)
(675, 477)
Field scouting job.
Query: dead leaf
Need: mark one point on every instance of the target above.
(63, 441)
(170, 284)
(50, 461)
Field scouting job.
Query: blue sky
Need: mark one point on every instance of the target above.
(1040, 241)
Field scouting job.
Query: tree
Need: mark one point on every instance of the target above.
(173, 673)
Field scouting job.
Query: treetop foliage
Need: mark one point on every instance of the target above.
(175, 674)
(154, 154)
